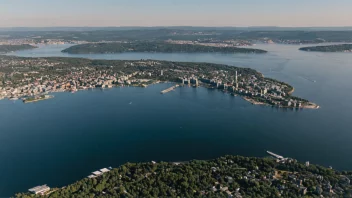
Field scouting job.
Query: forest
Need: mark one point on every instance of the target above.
(226, 176)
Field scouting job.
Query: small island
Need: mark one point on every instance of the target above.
(11, 48)
(329, 48)
(227, 176)
(162, 47)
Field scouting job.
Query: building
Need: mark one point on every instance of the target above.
(161, 73)
(97, 173)
(104, 170)
(265, 91)
(236, 81)
(40, 189)
(307, 163)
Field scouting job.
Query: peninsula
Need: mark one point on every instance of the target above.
(30, 77)
(11, 48)
(163, 47)
(227, 176)
(329, 48)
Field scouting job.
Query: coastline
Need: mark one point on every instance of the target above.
(311, 105)
(254, 102)
(290, 92)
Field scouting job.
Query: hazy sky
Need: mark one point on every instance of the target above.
(39, 13)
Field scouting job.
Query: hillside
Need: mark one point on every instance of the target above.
(10, 48)
(107, 48)
(229, 175)
(329, 48)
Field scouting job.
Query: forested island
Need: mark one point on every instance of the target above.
(329, 48)
(164, 47)
(228, 176)
(11, 48)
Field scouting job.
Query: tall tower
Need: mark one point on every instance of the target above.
(161, 72)
(236, 81)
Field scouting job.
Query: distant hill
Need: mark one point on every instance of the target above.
(105, 48)
(329, 48)
(196, 28)
(10, 48)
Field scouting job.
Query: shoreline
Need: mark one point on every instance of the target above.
(254, 102)
(290, 92)
(311, 105)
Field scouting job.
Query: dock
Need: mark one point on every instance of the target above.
(275, 155)
(169, 89)
(99, 172)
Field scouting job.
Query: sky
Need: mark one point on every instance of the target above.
(239, 13)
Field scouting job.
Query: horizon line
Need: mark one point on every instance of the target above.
(177, 26)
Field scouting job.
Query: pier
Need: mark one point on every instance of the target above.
(99, 172)
(169, 89)
(275, 155)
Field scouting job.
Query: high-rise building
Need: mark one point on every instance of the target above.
(307, 163)
(236, 81)
(161, 72)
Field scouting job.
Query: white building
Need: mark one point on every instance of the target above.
(39, 189)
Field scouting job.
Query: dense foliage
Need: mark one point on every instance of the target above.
(10, 48)
(102, 48)
(329, 48)
(229, 175)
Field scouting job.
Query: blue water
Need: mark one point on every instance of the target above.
(61, 140)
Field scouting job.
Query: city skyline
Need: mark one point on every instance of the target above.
(222, 13)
